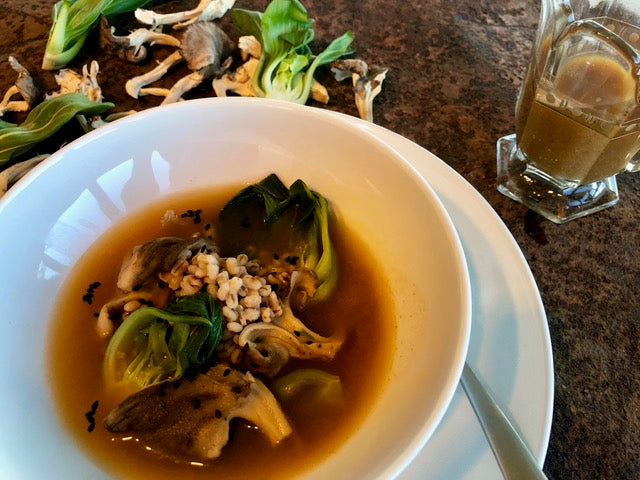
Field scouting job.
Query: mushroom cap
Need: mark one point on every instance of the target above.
(204, 44)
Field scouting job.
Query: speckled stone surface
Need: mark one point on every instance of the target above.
(455, 68)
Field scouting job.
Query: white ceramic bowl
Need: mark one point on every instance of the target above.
(52, 216)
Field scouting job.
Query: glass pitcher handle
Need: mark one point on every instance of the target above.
(634, 164)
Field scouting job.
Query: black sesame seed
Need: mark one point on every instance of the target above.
(296, 333)
(226, 372)
(91, 427)
(94, 405)
(207, 226)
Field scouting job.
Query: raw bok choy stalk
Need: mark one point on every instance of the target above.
(309, 231)
(43, 121)
(72, 22)
(154, 344)
(287, 65)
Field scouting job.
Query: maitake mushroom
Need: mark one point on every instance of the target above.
(24, 87)
(367, 82)
(132, 47)
(190, 417)
(206, 10)
(206, 49)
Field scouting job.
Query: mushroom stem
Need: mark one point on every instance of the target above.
(135, 84)
(23, 86)
(204, 11)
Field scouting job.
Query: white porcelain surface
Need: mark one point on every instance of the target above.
(510, 345)
(50, 218)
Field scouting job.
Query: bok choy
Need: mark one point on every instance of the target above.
(43, 121)
(287, 65)
(154, 344)
(309, 232)
(72, 22)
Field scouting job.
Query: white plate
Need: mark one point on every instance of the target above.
(510, 345)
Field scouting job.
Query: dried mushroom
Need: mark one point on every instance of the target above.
(23, 86)
(206, 10)
(132, 47)
(86, 83)
(206, 49)
(367, 82)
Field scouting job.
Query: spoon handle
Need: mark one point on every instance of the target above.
(514, 457)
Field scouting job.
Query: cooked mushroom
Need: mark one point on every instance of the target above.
(190, 418)
(131, 47)
(158, 256)
(367, 82)
(24, 87)
(206, 10)
(116, 308)
(268, 346)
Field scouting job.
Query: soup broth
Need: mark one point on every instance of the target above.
(359, 307)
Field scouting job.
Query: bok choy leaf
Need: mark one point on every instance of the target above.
(309, 232)
(287, 65)
(154, 344)
(43, 121)
(72, 22)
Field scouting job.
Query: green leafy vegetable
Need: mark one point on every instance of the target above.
(287, 65)
(5, 124)
(155, 344)
(318, 385)
(72, 22)
(310, 225)
(43, 121)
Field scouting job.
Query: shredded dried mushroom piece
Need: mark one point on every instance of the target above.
(206, 10)
(367, 82)
(24, 87)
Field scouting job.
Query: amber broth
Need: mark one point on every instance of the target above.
(362, 309)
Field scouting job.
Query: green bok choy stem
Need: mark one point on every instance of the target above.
(72, 22)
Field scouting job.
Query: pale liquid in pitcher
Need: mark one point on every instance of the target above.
(573, 130)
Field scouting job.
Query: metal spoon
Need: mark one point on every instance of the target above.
(514, 457)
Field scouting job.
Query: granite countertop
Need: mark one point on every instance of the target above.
(455, 69)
